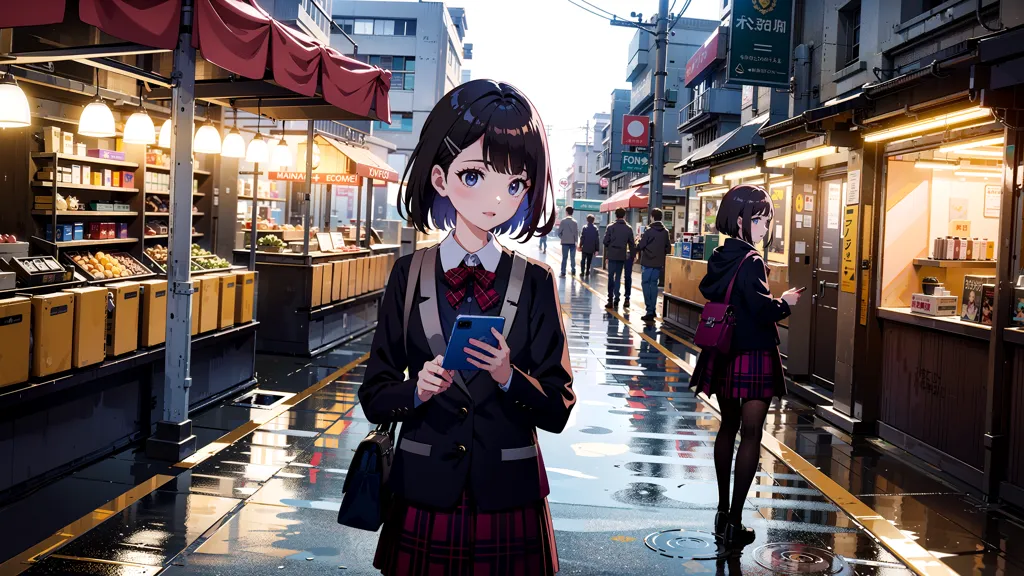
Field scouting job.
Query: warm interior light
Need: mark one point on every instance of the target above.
(139, 129)
(978, 153)
(810, 153)
(14, 110)
(206, 140)
(234, 145)
(165, 135)
(970, 144)
(316, 156)
(257, 151)
(97, 121)
(717, 180)
(740, 174)
(978, 173)
(713, 192)
(282, 156)
(936, 165)
(921, 126)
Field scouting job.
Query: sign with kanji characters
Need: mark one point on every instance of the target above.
(316, 178)
(635, 162)
(848, 275)
(760, 40)
(586, 205)
(961, 228)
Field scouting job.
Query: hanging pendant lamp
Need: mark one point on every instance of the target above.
(207, 139)
(139, 128)
(165, 135)
(97, 120)
(257, 151)
(282, 157)
(234, 144)
(14, 110)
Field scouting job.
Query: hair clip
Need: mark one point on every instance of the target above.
(455, 150)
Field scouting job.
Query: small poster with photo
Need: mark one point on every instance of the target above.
(988, 297)
(1018, 306)
(971, 302)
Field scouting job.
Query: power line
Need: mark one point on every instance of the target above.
(601, 16)
(680, 15)
(599, 9)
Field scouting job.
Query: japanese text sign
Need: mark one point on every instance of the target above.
(704, 57)
(848, 278)
(759, 43)
(635, 130)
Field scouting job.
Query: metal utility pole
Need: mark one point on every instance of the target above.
(586, 163)
(657, 128)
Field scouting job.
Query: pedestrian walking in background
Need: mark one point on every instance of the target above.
(590, 243)
(653, 247)
(568, 232)
(543, 243)
(747, 377)
(619, 248)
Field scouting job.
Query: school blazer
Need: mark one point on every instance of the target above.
(474, 436)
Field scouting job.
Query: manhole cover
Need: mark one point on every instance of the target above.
(791, 558)
(686, 544)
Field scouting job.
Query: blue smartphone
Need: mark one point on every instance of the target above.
(466, 328)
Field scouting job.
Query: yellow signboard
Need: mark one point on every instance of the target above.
(799, 202)
(960, 228)
(848, 276)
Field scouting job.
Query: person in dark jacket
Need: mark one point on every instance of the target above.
(468, 475)
(619, 249)
(653, 247)
(590, 243)
(748, 378)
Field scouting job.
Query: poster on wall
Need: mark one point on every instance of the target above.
(959, 208)
(993, 198)
(834, 202)
(710, 215)
(780, 202)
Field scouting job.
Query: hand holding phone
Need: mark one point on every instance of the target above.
(433, 379)
(792, 296)
(801, 289)
(466, 329)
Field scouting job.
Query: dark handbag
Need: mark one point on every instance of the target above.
(367, 496)
(717, 320)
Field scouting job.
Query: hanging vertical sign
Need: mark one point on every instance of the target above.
(848, 277)
(759, 43)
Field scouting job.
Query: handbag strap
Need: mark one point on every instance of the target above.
(728, 291)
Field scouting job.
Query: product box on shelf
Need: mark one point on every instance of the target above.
(104, 154)
(87, 341)
(8, 280)
(154, 313)
(108, 177)
(318, 285)
(209, 309)
(68, 140)
(358, 276)
(971, 308)
(52, 139)
(338, 281)
(86, 174)
(79, 230)
(988, 298)
(13, 250)
(245, 287)
(364, 279)
(101, 206)
(197, 300)
(123, 320)
(65, 174)
(226, 314)
(15, 326)
(122, 230)
(95, 231)
(115, 180)
(53, 320)
(128, 179)
(328, 286)
(933, 305)
(97, 177)
(76, 173)
(80, 148)
(344, 271)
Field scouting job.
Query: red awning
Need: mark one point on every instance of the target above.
(235, 35)
(635, 197)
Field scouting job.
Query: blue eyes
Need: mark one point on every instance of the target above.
(470, 177)
(516, 187)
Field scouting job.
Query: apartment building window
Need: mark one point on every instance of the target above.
(378, 26)
(848, 45)
(403, 69)
(914, 8)
(400, 122)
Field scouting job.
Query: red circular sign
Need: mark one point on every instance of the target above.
(603, 182)
(564, 182)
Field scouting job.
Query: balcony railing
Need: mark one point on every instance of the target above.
(713, 101)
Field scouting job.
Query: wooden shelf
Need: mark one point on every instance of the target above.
(194, 194)
(240, 197)
(168, 214)
(84, 159)
(954, 263)
(66, 186)
(85, 213)
(164, 236)
(70, 243)
(195, 171)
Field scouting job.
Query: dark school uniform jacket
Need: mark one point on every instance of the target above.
(756, 310)
(590, 241)
(473, 436)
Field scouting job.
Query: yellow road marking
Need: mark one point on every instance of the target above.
(26, 559)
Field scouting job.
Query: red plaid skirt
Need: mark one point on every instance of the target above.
(745, 374)
(467, 542)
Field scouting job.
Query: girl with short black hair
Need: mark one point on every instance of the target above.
(745, 380)
(468, 474)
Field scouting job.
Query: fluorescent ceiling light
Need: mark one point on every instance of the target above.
(921, 126)
(740, 174)
(810, 153)
(936, 165)
(714, 192)
(970, 144)
(978, 153)
(977, 173)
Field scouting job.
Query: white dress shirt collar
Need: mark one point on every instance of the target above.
(453, 254)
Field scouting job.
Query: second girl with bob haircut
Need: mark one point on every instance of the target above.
(468, 476)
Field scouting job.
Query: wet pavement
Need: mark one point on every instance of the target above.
(632, 481)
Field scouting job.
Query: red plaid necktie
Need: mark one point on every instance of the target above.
(460, 277)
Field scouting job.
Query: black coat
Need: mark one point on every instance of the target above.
(654, 246)
(590, 241)
(618, 241)
(756, 311)
(473, 436)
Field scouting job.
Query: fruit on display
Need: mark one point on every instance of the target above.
(270, 241)
(264, 224)
(7, 239)
(103, 266)
(211, 263)
(199, 251)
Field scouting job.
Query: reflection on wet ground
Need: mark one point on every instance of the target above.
(632, 483)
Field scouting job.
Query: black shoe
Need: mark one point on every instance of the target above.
(627, 303)
(561, 275)
(647, 318)
(738, 536)
(721, 520)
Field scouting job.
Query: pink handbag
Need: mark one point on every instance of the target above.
(714, 333)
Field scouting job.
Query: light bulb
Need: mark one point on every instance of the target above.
(14, 110)
(97, 120)
(234, 145)
(257, 151)
(206, 140)
(139, 129)
(165, 135)
(282, 155)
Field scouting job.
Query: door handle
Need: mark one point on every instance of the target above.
(832, 285)
(821, 288)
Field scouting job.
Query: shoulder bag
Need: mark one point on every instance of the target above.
(717, 320)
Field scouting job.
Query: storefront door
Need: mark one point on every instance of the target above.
(826, 279)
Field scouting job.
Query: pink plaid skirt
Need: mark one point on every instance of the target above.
(745, 374)
(467, 542)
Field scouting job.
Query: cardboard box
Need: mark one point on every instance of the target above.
(154, 313)
(68, 143)
(933, 305)
(52, 141)
(971, 308)
(338, 278)
(328, 286)
(226, 316)
(197, 293)
(381, 273)
(108, 177)
(342, 278)
(53, 322)
(76, 174)
(97, 178)
(209, 308)
(364, 281)
(318, 285)
(104, 154)
(123, 320)
(15, 327)
(245, 287)
(87, 341)
(357, 276)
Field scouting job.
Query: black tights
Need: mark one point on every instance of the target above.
(748, 416)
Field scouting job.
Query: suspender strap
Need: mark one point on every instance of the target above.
(515, 288)
(728, 291)
(410, 289)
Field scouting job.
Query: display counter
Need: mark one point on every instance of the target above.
(310, 303)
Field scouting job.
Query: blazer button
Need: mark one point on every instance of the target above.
(463, 412)
(460, 449)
